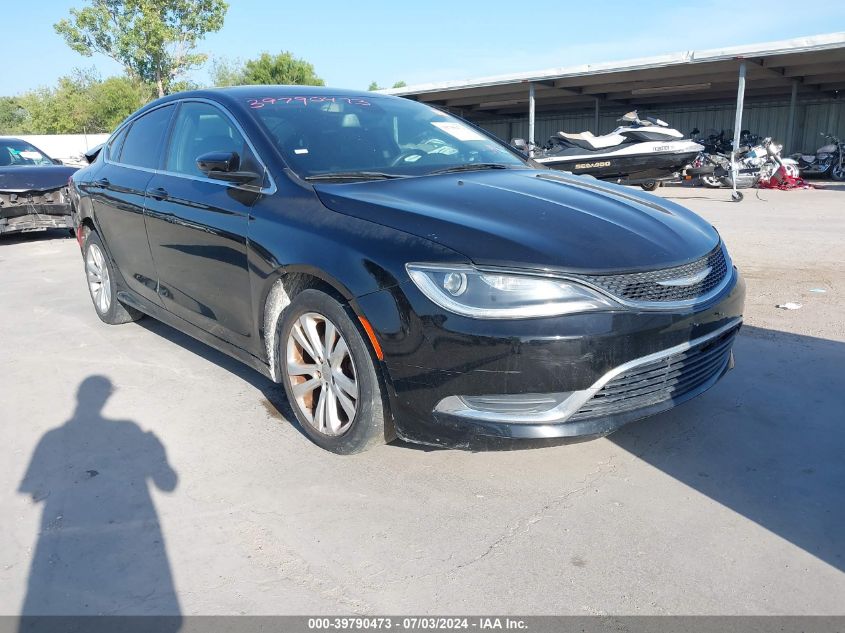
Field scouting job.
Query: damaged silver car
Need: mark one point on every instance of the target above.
(33, 189)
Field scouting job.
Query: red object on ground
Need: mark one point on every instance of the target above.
(783, 181)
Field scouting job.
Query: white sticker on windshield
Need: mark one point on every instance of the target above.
(300, 150)
(30, 155)
(458, 130)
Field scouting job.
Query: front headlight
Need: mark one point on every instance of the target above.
(486, 295)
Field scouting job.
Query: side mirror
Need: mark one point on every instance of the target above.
(225, 166)
(520, 144)
(91, 154)
(57, 161)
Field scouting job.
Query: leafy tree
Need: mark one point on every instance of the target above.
(227, 72)
(81, 102)
(283, 68)
(374, 85)
(155, 40)
(13, 116)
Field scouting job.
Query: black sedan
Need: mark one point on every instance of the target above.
(401, 272)
(33, 189)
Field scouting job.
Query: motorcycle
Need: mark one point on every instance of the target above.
(716, 156)
(753, 163)
(829, 160)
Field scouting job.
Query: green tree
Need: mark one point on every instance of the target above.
(81, 102)
(114, 99)
(227, 72)
(283, 68)
(13, 116)
(374, 85)
(155, 40)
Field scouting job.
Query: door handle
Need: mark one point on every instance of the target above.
(159, 193)
(102, 182)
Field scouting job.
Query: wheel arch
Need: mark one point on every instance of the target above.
(289, 282)
(280, 290)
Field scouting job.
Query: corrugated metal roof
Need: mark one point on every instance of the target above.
(809, 44)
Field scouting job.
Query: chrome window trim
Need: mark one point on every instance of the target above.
(268, 190)
(453, 405)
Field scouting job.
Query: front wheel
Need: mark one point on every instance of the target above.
(649, 185)
(329, 375)
(837, 172)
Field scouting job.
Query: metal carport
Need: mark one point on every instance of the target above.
(781, 78)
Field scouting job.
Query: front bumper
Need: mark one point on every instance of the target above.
(24, 212)
(597, 358)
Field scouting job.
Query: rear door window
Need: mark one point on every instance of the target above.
(142, 147)
(117, 144)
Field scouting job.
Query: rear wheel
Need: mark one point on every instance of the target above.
(650, 185)
(101, 284)
(743, 181)
(711, 181)
(329, 375)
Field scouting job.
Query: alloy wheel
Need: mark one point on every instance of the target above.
(99, 283)
(322, 374)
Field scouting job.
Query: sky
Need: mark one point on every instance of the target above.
(354, 43)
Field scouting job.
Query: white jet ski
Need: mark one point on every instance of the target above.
(640, 151)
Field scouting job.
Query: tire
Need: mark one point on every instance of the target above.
(837, 172)
(711, 181)
(99, 274)
(744, 181)
(345, 412)
(651, 185)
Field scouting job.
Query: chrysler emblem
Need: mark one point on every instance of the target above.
(690, 280)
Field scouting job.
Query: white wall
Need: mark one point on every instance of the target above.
(68, 147)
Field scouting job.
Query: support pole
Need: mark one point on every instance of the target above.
(596, 121)
(740, 102)
(531, 119)
(789, 145)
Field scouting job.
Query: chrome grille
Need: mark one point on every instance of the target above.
(646, 287)
(661, 380)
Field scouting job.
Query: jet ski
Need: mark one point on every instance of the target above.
(640, 151)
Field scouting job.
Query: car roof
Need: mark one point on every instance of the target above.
(232, 94)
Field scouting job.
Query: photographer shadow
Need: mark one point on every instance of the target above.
(100, 548)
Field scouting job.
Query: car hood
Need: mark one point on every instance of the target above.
(532, 219)
(34, 177)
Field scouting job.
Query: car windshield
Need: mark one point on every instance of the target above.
(324, 136)
(14, 152)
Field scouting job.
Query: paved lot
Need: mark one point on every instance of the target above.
(733, 503)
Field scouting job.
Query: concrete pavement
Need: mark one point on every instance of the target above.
(214, 503)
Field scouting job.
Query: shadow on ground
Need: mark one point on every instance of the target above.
(767, 442)
(35, 236)
(100, 548)
(275, 401)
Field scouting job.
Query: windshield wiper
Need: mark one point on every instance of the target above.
(354, 175)
(470, 167)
